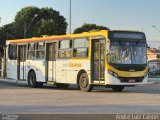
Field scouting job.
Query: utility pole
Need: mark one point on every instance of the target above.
(70, 16)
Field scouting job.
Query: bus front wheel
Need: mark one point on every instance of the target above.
(32, 80)
(117, 88)
(84, 83)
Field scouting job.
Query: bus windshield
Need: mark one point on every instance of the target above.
(127, 52)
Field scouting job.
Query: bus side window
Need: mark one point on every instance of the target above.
(81, 48)
(12, 53)
(31, 51)
(80, 52)
(65, 49)
(40, 50)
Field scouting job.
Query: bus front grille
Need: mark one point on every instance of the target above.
(131, 80)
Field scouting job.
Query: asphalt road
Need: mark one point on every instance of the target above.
(16, 97)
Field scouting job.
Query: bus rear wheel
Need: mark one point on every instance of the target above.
(32, 81)
(84, 83)
(117, 88)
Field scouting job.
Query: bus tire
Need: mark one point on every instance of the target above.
(117, 88)
(83, 83)
(32, 80)
(62, 85)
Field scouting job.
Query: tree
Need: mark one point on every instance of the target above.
(88, 27)
(2, 36)
(6, 32)
(48, 22)
(22, 20)
(2, 41)
(9, 31)
(51, 22)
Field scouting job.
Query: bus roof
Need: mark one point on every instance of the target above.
(127, 31)
(60, 37)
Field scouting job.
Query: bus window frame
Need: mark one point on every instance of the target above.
(35, 51)
(87, 48)
(40, 50)
(65, 49)
(9, 56)
(28, 51)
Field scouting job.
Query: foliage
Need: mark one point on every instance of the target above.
(47, 22)
(51, 22)
(88, 27)
(6, 32)
(23, 20)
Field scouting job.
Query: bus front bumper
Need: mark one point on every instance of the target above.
(111, 80)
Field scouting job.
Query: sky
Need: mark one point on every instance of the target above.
(115, 14)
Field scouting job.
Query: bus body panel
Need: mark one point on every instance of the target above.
(38, 66)
(11, 69)
(11, 65)
(111, 80)
(67, 70)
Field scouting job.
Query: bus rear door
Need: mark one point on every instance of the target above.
(51, 62)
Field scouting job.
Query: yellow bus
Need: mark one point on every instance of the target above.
(113, 59)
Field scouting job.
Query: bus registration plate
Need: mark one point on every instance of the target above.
(131, 80)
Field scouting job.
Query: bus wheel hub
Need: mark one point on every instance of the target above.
(84, 82)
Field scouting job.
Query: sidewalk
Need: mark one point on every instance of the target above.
(12, 80)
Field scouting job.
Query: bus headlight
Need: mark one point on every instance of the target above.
(113, 73)
(110, 72)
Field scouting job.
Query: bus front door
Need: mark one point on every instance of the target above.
(98, 61)
(51, 62)
(21, 62)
